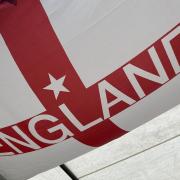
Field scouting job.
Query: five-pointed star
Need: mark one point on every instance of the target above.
(56, 85)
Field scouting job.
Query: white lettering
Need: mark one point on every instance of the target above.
(6, 153)
(65, 132)
(132, 70)
(105, 86)
(8, 140)
(169, 50)
(75, 121)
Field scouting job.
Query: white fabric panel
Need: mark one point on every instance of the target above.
(99, 44)
(76, 16)
(159, 163)
(152, 133)
(33, 163)
(18, 101)
(53, 174)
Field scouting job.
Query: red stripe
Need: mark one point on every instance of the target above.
(37, 52)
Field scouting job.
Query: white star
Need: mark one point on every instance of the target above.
(56, 85)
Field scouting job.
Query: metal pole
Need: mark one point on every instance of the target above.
(68, 172)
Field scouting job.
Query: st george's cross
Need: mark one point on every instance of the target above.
(77, 91)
